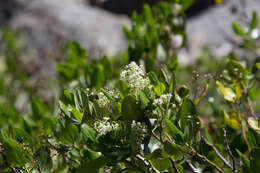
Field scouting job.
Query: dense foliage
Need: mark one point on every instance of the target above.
(141, 112)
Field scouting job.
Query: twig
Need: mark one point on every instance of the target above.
(205, 89)
(229, 151)
(244, 131)
(174, 165)
(205, 159)
(193, 169)
(250, 107)
(217, 152)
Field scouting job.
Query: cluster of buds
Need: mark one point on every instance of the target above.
(104, 126)
(140, 130)
(162, 100)
(135, 76)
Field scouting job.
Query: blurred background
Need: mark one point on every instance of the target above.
(97, 24)
(37, 30)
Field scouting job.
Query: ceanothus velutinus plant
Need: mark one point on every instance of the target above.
(144, 124)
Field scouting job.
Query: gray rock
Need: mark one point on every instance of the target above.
(213, 29)
(48, 21)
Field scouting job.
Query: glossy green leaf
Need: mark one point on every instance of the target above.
(187, 111)
(173, 130)
(174, 150)
(43, 156)
(15, 154)
(130, 109)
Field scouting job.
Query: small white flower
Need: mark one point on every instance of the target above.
(163, 99)
(135, 76)
(103, 101)
(104, 126)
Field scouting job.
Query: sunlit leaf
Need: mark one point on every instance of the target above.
(254, 123)
(228, 93)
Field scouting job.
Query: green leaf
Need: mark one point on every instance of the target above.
(67, 112)
(159, 89)
(183, 91)
(258, 65)
(43, 156)
(153, 78)
(173, 130)
(75, 51)
(93, 166)
(187, 111)
(98, 76)
(148, 16)
(245, 162)
(161, 164)
(15, 154)
(88, 132)
(254, 21)
(255, 159)
(254, 93)
(38, 109)
(67, 133)
(253, 138)
(228, 93)
(130, 109)
(144, 99)
(108, 95)
(172, 84)
(254, 123)
(237, 29)
(174, 150)
(236, 69)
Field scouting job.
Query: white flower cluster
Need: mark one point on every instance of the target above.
(103, 101)
(104, 126)
(135, 76)
(164, 99)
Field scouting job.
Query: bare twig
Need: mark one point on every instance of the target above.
(174, 165)
(205, 159)
(193, 169)
(217, 152)
(229, 151)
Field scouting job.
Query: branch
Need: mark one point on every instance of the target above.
(174, 165)
(217, 152)
(205, 159)
(193, 169)
(229, 151)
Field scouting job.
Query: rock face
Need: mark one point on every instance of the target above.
(47, 21)
(213, 29)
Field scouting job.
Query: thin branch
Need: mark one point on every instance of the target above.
(174, 165)
(205, 159)
(193, 169)
(244, 131)
(217, 152)
(229, 151)
(250, 107)
(204, 92)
